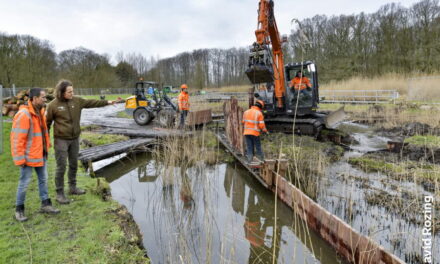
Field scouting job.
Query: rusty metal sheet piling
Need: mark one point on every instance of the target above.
(233, 115)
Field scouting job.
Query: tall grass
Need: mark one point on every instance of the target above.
(230, 89)
(410, 87)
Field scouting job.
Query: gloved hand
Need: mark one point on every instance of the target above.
(309, 89)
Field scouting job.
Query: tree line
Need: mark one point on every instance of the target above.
(393, 39)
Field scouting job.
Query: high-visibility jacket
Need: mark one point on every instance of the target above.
(253, 121)
(183, 101)
(300, 83)
(28, 130)
(253, 233)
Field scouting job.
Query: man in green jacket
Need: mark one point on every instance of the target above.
(65, 112)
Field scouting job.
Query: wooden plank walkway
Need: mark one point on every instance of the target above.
(109, 150)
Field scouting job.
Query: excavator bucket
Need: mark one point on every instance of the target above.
(260, 73)
(334, 118)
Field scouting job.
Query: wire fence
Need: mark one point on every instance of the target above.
(358, 96)
(9, 92)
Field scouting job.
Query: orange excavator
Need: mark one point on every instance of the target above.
(289, 106)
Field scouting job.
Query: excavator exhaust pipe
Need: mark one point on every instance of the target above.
(260, 73)
(336, 117)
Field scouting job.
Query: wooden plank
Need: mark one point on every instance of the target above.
(110, 150)
(242, 160)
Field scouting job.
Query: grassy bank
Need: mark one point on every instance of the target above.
(418, 172)
(86, 231)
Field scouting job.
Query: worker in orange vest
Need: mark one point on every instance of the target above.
(29, 148)
(253, 121)
(300, 82)
(183, 101)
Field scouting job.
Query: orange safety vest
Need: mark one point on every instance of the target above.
(253, 121)
(253, 233)
(27, 137)
(300, 83)
(183, 101)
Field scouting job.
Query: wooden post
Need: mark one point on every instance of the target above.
(281, 167)
(267, 171)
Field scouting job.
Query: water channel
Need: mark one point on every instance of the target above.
(216, 214)
(220, 214)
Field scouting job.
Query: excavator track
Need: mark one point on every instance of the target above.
(309, 126)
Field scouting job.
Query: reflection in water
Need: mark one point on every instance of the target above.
(210, 214)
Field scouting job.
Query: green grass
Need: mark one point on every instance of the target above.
(408, 170)
(86, 231)
(428, 141)
(102, 139)
(107, 96)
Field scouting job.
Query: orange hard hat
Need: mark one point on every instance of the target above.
(184, 86)
(260, 102)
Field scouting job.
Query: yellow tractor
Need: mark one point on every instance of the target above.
(148, 102)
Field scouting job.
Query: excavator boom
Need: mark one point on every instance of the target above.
(267, 64)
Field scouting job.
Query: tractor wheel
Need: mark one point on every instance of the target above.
(166, 118)
(141, 116)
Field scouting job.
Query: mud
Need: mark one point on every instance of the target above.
(129, 226)
(373, 202)
(409, 130)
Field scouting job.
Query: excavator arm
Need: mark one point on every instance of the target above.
(266, 63)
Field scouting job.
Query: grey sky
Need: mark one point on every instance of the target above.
(161, 27)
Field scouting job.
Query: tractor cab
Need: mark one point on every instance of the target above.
(148, 102)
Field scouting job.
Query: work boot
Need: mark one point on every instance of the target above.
(61, 198)
(76, 191)
(47, 208)
(19, 213)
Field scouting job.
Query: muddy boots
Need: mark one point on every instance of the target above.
(73, 190)
(19, 213)
(47, 208)
(61, 198)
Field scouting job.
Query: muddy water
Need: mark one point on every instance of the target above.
(344, 189)
(216, 214)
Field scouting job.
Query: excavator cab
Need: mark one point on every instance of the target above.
(302, 101)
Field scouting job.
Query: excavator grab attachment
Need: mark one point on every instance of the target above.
(260, 69)
(260, 73)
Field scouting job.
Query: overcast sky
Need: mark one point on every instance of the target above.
(159, 27)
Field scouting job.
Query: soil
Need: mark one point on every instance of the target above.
(410, 129)
(129, 226)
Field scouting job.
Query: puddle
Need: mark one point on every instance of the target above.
(210, 214)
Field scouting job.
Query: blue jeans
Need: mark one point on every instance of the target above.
(25, 179)
(253, 142)
(183, 115)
